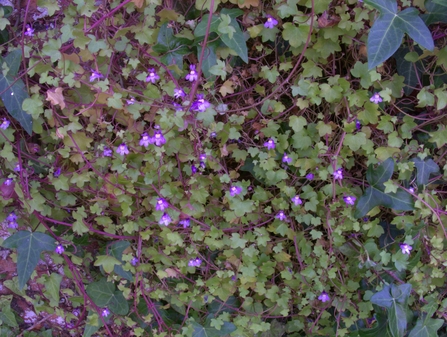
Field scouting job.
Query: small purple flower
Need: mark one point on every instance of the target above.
(271, 22)
(131, 101)
(152, 77)
(286, 159)
(122, 149)
(5, 124)
(281, 216)
(13, 224)
(270, 144)
(145, 140)
(59, 249)
(411, 189)
(158, 138)
(310, 176)
(178, 107)
(185, 223)
(195, 262)
(358, 125)
(324, 297)
(213, 134)
(105, 312)
(161, 204)
(202, 164)
(405, 248)
(29, 31)
(296, 200)
(11, 217)
(165, 219)
(8, 182)
(202, 157)
(107, 152)
(338, 174)
(235, 190)
(376, 99)
(95, 76)
(179, 93)
(349, 200)
(17, 168)
(192, 76)
(57, 173)
(201, 104)
(134, 261)
(193, 169)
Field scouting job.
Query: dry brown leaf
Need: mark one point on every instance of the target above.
(248, 3)
(56, 97)
(226, 88)
(171, 272)
(138, 3)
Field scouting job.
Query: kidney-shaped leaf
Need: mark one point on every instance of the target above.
(29, 247)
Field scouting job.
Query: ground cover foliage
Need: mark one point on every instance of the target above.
(266, 168)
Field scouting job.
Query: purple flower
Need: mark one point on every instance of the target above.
(179, 93)
(57, 173)
(201, 104)
(358, 125)
(270, 144)
(310, 176)
(193, 169)
(152, 77)
(338, 174)
(105, 312)
(13, 224)
(5, 124)
(185, 223)
(202, 157)
(131, 101)
(192, 76)
(95, 76)
(178, 107)
(8, 182)
(134, 261)
(202, 164)
(158, 138)
(161, 204)
(165, 219)
(405, 248)
(376, 98)
(29, 31)
(296, 200)
(145, 140)
(17, 168)
(286, 159)
(281, 216)
(122, 149)
(271, 22)
(195, 262)
(59, 249)
(235, 190)
(349, 200)
(324, 297)
(107, 152)
(11, 217)
(411, 189)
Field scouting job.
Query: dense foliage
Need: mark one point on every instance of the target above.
(272, 168)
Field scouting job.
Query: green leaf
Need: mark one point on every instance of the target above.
(208, 331)
(29, 247)
(107, 262)
(237, 41)
(429, 328)
(375, 195)
(387, 32)
(424, 169)
(52, 285)
(13, 91)
(435, 12)
(103, 293)
(7, 317)
(411, 71)
(397, 320)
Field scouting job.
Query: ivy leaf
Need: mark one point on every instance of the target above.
(103, 293)
(13, 91)
(29, 247)
(411, 71)
(387, 32)
(375, 195)
(424, 169)
(397, 320)
(429, 328)
(208, 331)
(435, 11)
